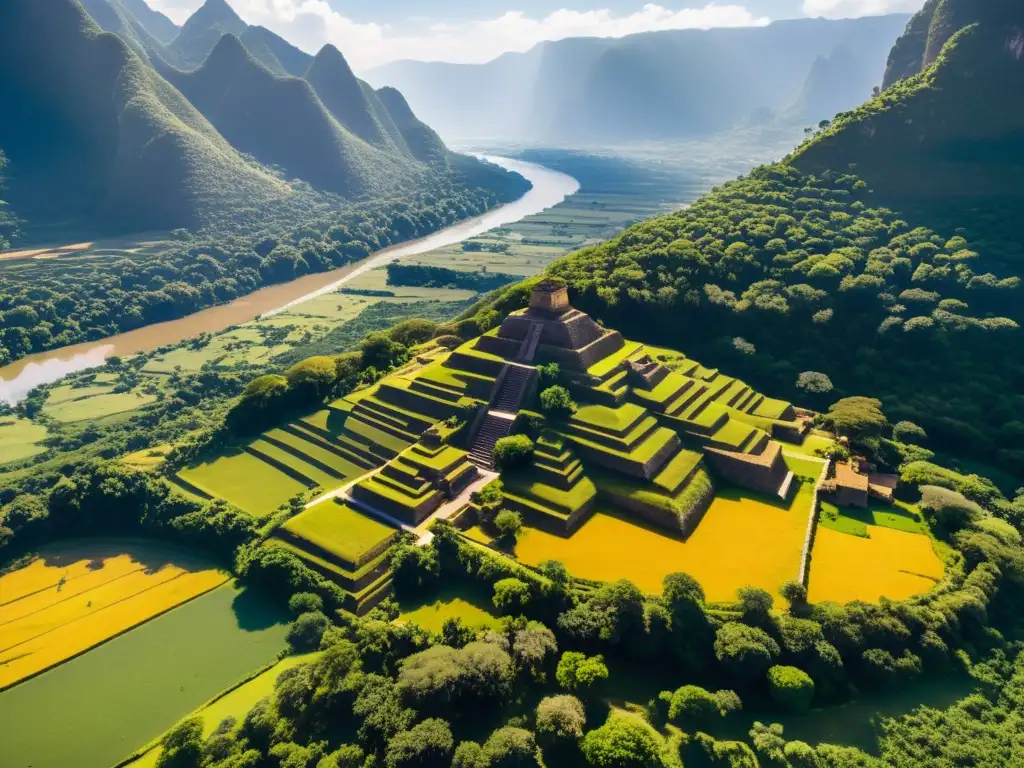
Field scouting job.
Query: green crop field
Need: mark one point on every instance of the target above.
(245, 481)
(803, 467)
(98, 708)
(899, 516)
(97, 406)
(20, 438)
(339, 528)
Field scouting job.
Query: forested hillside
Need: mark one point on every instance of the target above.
(91, 131)
(884, 253)
(657, 85)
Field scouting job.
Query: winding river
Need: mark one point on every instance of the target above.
(19, 378)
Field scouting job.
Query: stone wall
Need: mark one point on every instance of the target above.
(762, 473)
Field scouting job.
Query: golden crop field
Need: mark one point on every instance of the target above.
(741, 541)
(76, 596)
(889, 563)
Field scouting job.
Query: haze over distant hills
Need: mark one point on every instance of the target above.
(655, 85)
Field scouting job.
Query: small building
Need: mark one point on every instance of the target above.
(854, 484)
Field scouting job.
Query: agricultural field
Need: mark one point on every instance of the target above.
(339, 529)
(119, 696)
(898, 516)
(725, 552)
(20, 439)
(234, 703)
(803, 466)
(887, 562)
(453, 601)
(79, 594)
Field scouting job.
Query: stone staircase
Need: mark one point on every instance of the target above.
(513, 387)
(494, 427)
(529, 346)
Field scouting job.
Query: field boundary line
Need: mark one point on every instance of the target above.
(804, 574)
(112, 637)
(69, 597)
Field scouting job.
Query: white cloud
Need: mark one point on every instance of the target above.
(310, 24)
(852, 9)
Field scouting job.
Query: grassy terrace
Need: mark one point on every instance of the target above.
(532, 486)
(609, 420)
(677, 470)
(339, 529)
(603, 367)
(243, 480)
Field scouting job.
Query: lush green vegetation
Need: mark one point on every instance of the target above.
(442, 277)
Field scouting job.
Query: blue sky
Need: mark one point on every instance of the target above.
(374, 32)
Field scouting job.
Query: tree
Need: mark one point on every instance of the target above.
(692, 708)
(949, 510)
(442, 678)
(560, 718)
(909, 432)
(382, 352)
(814, 382)
(426, 745)
(183, 745)
(512, 452)
(622, 742)
(305, 633)
(413, 331)
(511, 595)
(580, 673)
(755, 603)
(511, 748)
(313, 379)
(791, 688)
(794, 593)
(455, 633)
(509, 524)
(305, 602)
(857, 417)
(556, 403)
(469, 754)
(746, 651)
(549, 374)
(261, 401)
(346, 756)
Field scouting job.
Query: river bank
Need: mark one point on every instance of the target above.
(19, 378)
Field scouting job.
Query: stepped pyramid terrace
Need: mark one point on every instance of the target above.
(654, 435)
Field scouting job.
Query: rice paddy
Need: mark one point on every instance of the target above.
(727, 551)
(885, 563)
(77, 595)
(99, 708)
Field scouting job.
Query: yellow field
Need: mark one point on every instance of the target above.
(889, 563)
(77, 595)
(741, 541)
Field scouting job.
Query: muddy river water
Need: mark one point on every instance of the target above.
(19, 378)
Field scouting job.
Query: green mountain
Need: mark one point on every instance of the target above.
(92, 132)
(155, 23)
(281, 122)
(202, 31)
(946, 144)
(420, 138)
(345, 97)
(290, 59)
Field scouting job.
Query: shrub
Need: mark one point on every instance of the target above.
(429, 743)
(305, 633)
(548, 374)
(791, 688)
(305, 602)
(755, 602)
(508, 524)
(692, 707)
(883, 670)
(556, 403)
(578, 672)
(511, 748)
(999, 528)
(857, 417)
(511, 595)
(413, 331)
(948, 509)
(449, 341)
(909, 432)
(382, 352)
(512, 451)
(183, 744)
(794, 593)
(622, 742)
(313, 379)
(561, 718)
(746, 651)
(469, 754)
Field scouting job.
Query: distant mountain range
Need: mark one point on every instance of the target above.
(655, 85)
(111, 113)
